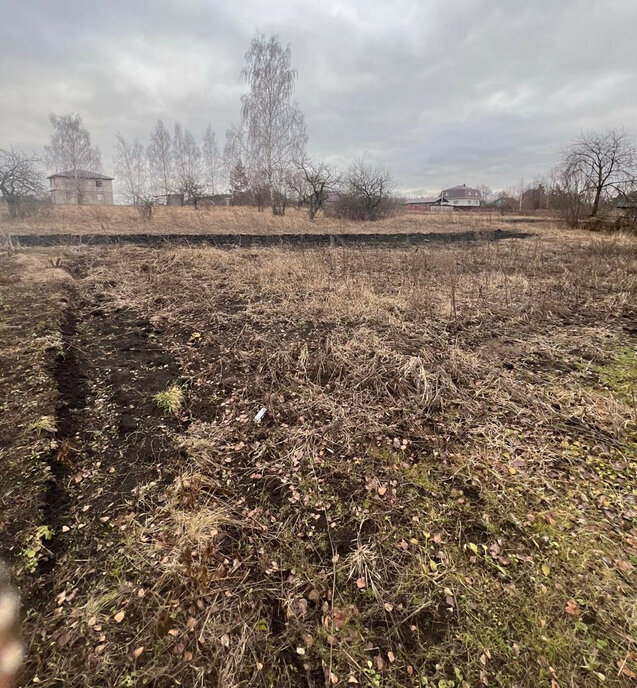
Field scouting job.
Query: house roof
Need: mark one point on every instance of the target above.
(462, 191)
(423, 201)
(81, 174)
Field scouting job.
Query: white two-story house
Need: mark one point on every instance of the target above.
(461, 196)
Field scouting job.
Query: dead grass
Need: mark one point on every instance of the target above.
(233, 220)
(441, 492)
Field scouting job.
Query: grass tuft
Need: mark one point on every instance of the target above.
(44, 424)
(171, 399)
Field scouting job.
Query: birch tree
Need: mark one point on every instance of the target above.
(272, 133)
(71, 150)
(188, 164)
(211, 160)
(160, 159)
(231, 151)
(131, 165)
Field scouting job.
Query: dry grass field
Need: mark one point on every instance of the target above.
(114, 220)
(440, 491)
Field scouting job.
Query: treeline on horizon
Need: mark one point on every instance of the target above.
(264, 161)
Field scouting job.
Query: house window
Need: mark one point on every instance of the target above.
(98, 183)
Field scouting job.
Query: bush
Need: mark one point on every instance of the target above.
(27, 207)
(368, 193)
(352, 207)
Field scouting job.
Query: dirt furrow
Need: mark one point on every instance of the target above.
(71, 387)
(111, 439)
(255, 240)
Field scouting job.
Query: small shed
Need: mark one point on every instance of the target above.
(175, 199)
(421, 205)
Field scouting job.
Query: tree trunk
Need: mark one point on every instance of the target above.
(598, 193)
(12, 206)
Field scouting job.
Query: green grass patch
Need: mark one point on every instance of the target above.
(620, 375)
(171, 399)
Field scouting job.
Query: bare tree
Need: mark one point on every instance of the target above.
(131, 164)
(602, 162)
(486, 192)
(231, 153)
(21, 179)
(160, 159)
(368, 194)
(569, 189)
(188, 165)
(71, 150)
(211, 161)
(312, 181)
(272, 133)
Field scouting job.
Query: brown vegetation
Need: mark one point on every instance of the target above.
(440, 492)
(234, 220)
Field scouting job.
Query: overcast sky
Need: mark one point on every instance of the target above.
(442, 92)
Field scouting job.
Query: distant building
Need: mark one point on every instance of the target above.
(173, 199)
(421, 205)
(627, 204)
(222, 199)
(81, 187)
(460, 197)
(506, 203)
(627, 207)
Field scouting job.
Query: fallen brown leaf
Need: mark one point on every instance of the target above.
(572, 608)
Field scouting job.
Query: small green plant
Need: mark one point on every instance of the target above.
(170, 399)
(44, 424)
(33, 551)
(373, 676)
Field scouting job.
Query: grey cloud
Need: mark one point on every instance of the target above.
(480, 91)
